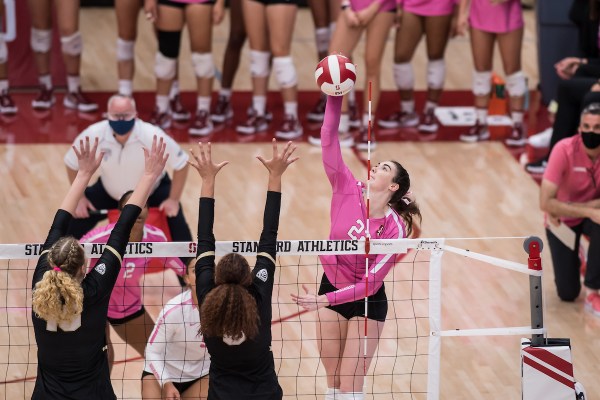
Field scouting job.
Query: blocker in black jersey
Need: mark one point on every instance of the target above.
(244, 371)
(72, 359)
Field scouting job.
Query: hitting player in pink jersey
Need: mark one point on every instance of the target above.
(340, 300)
(490, 21)
(126, 313)
(415, 19)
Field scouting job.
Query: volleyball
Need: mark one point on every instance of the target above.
(335, 75)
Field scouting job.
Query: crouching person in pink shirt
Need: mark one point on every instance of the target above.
(570, 195)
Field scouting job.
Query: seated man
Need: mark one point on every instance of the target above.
(570, 195)
(122, 137)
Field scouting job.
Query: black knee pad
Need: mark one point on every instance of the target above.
(169, 43)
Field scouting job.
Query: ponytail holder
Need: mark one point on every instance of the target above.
(406, 200)
(57, 269)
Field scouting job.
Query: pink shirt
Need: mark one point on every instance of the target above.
(496, 18)
(126, 297)
(428, 8)
(572, 170)
(348, 221)
(386, 5)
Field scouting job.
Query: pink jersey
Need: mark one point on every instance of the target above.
(126, 297)
(428, 8)
(496, 18)
(577, 177)
(386, 5)
(348, 221)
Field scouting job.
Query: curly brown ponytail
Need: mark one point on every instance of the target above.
(229, 309)
(403, 204)
(59, 296)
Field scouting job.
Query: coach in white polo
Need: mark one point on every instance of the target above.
(122, 138)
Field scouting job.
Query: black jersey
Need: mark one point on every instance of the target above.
(72, 359)
(245, 371)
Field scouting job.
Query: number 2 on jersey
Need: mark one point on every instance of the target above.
(358, 229)
(129, 268)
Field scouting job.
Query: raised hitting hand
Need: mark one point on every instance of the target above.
(155, 158)
(86, 156)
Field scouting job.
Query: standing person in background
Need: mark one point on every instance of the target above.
(67, 12)
(270, 25)
(126, 311)
(69, 307)
(491, 21)
(222, 110)
(415, 18)
(341, 299)
(357, 17)
(199, 16)
(7, 105)
(122, 137)
(127, 12)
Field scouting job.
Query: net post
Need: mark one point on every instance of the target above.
(533, 246)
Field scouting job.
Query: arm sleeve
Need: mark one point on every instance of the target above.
(101, 280)
(264, 271)
(59, 227)
(156, 349)
(377, 272)
(337, 172)
(205, 255)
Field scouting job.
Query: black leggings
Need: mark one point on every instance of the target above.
(566, 261)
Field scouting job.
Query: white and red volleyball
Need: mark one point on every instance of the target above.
(335, 75)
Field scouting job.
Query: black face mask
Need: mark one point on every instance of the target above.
(591, 140)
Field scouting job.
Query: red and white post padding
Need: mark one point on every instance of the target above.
(547, 371)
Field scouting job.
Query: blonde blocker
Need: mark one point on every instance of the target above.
(59, 295)
(229, 309)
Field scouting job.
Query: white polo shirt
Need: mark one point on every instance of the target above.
(123, 165)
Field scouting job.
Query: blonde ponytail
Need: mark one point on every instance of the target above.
(59, 296)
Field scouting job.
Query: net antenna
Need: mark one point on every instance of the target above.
(367, 237)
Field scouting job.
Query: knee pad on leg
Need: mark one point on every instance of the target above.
(482, 83)
(72, 44)
(516, 84)
(322, 37)
(41, 40)
(125, 49)
(436, 73)
(204, 66)
(259, 63)
(404, 76)
(3, 50)
(168, 43)
(285, 71)
(165, 67)
(350, 396)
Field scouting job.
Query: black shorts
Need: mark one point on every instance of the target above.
(376, 308)
(180, 386)
(181, 5)
(271, 2)
(124, 320)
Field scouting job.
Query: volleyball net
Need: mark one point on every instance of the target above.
(435, 291)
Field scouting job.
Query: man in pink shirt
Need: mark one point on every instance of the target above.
(570, 194)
